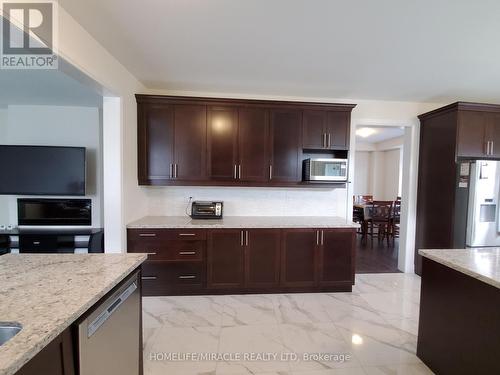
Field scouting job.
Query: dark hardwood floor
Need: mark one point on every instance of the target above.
(377, 259)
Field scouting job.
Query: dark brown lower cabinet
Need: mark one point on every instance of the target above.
(262, 258)
(336, 256)
(225, 258)
(244, 260)
(57, 358)
(298, 257)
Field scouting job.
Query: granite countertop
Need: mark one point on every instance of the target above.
(185, 222)
(46, 293)
(482, 263)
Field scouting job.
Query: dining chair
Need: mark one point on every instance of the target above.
(396, 219)
(381, 213)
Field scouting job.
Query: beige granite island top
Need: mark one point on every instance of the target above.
(46, 293)
(249, 222)
(482, 263)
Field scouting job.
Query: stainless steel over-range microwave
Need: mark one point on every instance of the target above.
(333, 170)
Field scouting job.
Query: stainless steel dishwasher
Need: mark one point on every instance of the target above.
(109, 337)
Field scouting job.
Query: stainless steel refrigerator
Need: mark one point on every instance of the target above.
(483, 225)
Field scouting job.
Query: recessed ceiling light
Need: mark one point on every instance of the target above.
(365, 132)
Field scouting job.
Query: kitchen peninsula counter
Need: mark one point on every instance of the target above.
(46, 293)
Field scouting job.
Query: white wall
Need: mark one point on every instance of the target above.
(378, 170)
(56, 126)
(363, 179)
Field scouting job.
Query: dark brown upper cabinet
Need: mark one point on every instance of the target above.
(478, 134)
(190, 141)
(234, 142)
(171, 143)
(326, 130)
(314, 130)
(223, 143)
(253, 144)
(155, 143)
(285, 140)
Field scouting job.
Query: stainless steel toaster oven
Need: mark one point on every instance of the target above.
(206, 210)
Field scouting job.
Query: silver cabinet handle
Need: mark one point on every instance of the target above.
(153, 253)
(239, 171)
(235, 172)
(241, 238)
(148, 278)
(147, 234)
(324, 140)
(491, 147)
(322, 237)
(176, 170)
(36, 242)
(171, 170)
(329, 141)
(187, 252)
(246, 238)
(270, 172)
(184, 277)
(317, 237)
(187, 234)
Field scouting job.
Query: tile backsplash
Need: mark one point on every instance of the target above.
(173, 201)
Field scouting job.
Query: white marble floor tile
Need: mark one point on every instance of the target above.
(338, 371)
(377, 324)
(248, 310)
(183, 311)
(252, 339)
(179, 341)
(306, 339)
(300, 308)
(381, 347)
(414, 369)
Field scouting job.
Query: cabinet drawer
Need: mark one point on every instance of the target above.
(166, 234)
(169, 250)
(165, 278)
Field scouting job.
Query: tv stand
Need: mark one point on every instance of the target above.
(53, 240)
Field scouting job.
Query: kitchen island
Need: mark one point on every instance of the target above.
(45, 294)
(244, 254)
(459, 325)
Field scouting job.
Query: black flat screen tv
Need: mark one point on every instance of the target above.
(42, 170)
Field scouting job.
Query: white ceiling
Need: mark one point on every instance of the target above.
(380, 134)
(44, 87)
(424, 50)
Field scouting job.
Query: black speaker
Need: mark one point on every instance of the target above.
(96, 242)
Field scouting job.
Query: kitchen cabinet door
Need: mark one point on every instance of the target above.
(493, 134)
(314, 129)
(298, 257)
(286, 154)
(336, 256)
(262, 258)
(222, 143)
(155, 143)
(337, 129)
(56, 358)
(225, 258)
(472, 140)
(253, 144)
(190, 142)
